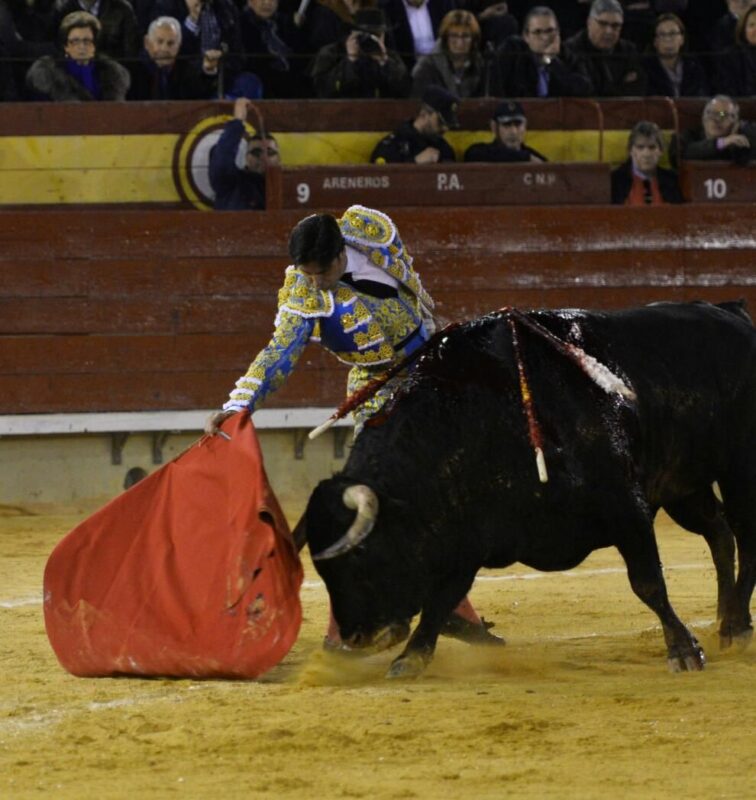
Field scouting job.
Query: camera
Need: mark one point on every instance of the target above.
(369, 44)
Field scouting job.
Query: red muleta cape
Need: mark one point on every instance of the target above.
(190, 573)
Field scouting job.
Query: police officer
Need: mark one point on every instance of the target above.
(508, 125)
(420, 140)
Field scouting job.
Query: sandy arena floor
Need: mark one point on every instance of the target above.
(579, 704)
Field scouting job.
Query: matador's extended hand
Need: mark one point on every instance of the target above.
(215, 420)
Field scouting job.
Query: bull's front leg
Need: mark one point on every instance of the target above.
(422, 644)
(645, 573)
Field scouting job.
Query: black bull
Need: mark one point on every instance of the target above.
(453, 486)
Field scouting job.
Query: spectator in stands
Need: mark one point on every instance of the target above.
(509, 126)
(328, 21)
(638, 23)
(495, 21)
(456, 62)
(272, 43)
(119, 34)
(722, 35)
(82, 74)
(571, 13)
(235, 188)
(700, 17)
(536, 65)
(737, 66)
(415, 25)
(361, 65)
(18, 51)
(210, 30)
(640, 180)
(613, 63)
(722, 135)
(159, 74)
(420, 140)
(34, 19)
(672, 72)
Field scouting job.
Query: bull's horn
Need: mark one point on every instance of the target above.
(365, 500)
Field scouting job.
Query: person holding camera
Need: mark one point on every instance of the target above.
(361, 65)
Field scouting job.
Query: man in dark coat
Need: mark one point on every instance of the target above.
(361, 65)
(240, 189)
(420, 140)
(722, 136)
(536, 65)
(612, 62)
(414, 25)
(159, 74)
(640, 180)
(508, 125)
(211, 30)
(274, 45)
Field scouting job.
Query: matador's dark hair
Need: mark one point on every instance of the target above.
(315, 238)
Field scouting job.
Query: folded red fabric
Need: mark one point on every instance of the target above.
(190, 573)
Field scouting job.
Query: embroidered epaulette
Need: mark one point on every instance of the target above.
(375, 235)
(300, 296)
(367, 227)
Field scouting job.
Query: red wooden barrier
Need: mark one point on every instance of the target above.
(121, 311)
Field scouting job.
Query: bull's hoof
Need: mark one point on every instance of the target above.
(337, 647)
(741, 639)
(460, 628)
(407, 665)
(689, 661)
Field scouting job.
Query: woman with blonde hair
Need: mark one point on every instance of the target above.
(456, 63)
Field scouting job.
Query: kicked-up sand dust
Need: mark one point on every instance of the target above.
(579, 704)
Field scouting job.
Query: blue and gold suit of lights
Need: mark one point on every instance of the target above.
(368, 333)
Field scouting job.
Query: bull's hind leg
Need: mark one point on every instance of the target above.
(702, 513)
(740, 507)
(638, 548)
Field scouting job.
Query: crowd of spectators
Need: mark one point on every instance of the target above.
(200, 49)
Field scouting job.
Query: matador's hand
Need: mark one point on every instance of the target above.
(215, 420)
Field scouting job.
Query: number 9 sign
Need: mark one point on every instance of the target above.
(303, 192)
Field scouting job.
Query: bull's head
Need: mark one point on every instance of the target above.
(365, 501)
(372, 594)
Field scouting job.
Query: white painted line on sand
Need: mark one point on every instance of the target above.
(532, 576)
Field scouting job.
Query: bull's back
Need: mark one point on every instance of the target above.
(693, 368)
